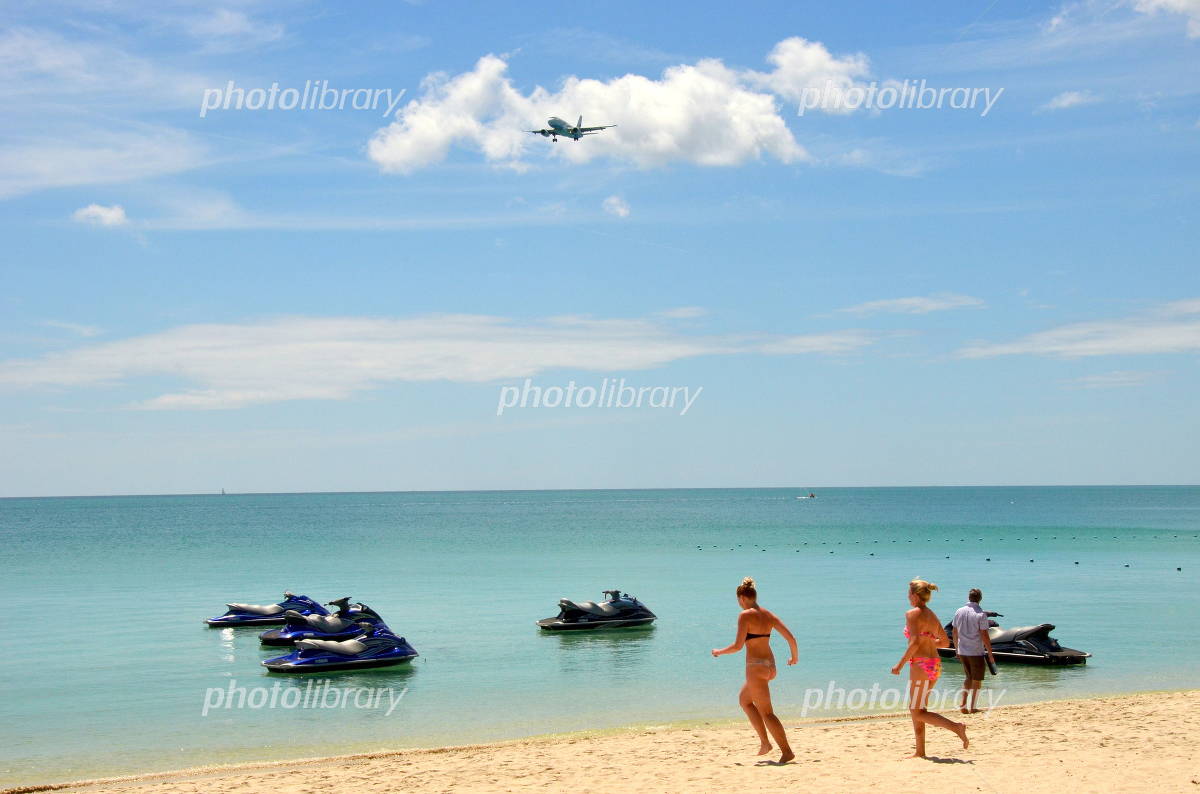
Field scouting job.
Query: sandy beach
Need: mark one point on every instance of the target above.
(1141, 742)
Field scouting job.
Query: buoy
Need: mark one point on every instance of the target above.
(1179, 569)
(989, 559)
(1031, 560)
(1077, 562)
(1126, 565)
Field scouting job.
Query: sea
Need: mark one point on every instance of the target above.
(108, 668)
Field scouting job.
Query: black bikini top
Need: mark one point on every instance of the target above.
(750, 636)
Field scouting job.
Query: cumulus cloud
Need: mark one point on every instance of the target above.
(1189, 8)
(803, 67)
(615, 205)
(1172, 328)
(916, 305)
(100, 215)
(307, 358)
(704, 113)
(1070, 99)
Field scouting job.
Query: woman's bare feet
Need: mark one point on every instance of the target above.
(765, 748)
(914, 755)
(961, 729)
(788, 755)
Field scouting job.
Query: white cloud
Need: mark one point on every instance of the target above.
(100, 215)
(1119, 379)
(1173, 328)
(916, 305)
(704, 113)
(803, 66)
(233, 365)
(1189, 8)
(615, 205)
(683, 313)
(75, 328)
(95, 158)
(1070, 99)
(226, 30)
(52, 73)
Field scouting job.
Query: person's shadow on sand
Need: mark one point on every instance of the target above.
(935, 759)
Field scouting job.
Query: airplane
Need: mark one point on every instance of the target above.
(560, 127)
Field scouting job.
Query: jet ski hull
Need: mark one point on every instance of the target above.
(323, 665)
(558, 624)
(1057, 658)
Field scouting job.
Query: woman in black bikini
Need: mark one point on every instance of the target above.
(754, 631)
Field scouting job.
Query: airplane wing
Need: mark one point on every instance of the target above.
(539, 132)
(586, 130)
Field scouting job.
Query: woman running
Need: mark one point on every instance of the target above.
(754, 631)
(925, 635)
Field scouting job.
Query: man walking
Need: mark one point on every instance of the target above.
(969, 632)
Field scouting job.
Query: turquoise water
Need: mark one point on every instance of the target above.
(108, 663)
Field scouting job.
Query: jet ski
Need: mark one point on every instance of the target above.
(618, 610)
(1024, 645)
(343, 625)
(266, 615)
(374, 646)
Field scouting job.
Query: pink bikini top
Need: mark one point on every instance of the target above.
(920, 634)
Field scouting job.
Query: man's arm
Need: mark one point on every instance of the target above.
(987, 641)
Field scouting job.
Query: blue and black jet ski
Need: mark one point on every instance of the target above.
(342, 625)
(375, 646)
(269, 614)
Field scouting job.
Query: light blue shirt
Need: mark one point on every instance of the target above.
(968, 621)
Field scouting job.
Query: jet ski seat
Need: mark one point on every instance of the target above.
(344, 647)
(1018, 633)
(257, 609)
(328, 623)
(605, 610)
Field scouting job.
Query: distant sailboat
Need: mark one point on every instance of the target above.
(222, 492)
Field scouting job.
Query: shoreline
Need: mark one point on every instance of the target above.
(730, 735)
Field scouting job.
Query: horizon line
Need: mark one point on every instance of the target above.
(811, 489)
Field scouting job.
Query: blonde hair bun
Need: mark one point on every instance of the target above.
(746, 588)
(922, 589)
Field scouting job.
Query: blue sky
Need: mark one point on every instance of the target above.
(294, 300)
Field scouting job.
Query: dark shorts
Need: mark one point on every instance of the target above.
(973, 667)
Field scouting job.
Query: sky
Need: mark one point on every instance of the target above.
(274, 247)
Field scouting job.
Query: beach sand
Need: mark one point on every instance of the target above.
(1141, 742)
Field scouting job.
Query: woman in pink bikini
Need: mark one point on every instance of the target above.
(754, 631)
(925, 635)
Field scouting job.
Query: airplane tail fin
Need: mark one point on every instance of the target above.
(579, 123)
